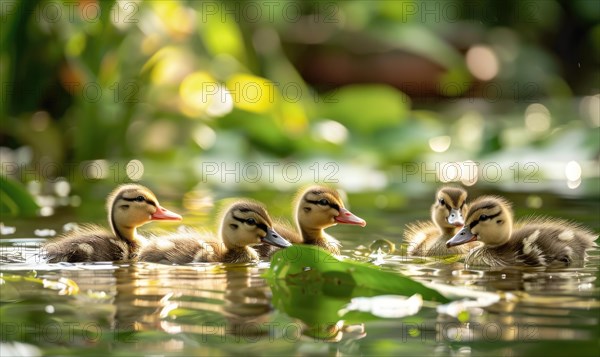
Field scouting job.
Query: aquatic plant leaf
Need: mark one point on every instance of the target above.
(15, 200)
(310, 284)
(303, 265)
(366, 108)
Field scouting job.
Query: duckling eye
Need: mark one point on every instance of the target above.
(323, 202)
(483, 217)
(442, 202)
(140, 199)
(251, 221)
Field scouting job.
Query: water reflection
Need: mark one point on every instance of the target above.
(208, 300)
(219, 308)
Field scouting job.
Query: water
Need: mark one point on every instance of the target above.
(216, 309)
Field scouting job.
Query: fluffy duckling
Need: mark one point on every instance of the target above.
(537, 241)
(316, 209)
(129, 206)
(244, 224)
(447, 212)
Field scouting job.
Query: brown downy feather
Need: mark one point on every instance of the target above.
(195, 246)
(302, 233)
(428, 238)
(534, 241)
(91, 243)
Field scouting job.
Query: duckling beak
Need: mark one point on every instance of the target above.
(455, 218)
(463, 236)
(347, 217)
(273, 238)
(163, 214)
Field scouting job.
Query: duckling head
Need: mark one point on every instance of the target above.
(450, 207)
(320, 207)
(131, 205)
(488, 220)
(247, 223)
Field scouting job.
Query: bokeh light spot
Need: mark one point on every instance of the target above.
(332, 131)
(440, 143)
(482, 62)
(573, 171)
(537, 118)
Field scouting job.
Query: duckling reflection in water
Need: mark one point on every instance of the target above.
(535, 242)
(230, 304)
(129, 206)
(244, 224)
(316, 208)
(447, 217)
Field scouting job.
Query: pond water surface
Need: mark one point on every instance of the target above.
(216, 309)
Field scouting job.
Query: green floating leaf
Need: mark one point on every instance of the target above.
(15, 200)
(310, 284)
(306, 264)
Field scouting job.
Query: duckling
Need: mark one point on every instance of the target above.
(129, 206)
(536, 241)
(244, 224)
(447, 212)
(316, 209)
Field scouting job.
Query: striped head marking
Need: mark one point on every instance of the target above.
(247, 223)
(450, 207)
(320, 207)
(133, 205)
(489, 220)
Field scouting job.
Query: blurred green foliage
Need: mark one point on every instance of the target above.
(369, 82)
(15, 200)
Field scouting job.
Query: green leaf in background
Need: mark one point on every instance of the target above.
(221, 34)
(366, 108)
(15, 200)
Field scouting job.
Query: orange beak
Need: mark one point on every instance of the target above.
(163, 214)
(347, 217)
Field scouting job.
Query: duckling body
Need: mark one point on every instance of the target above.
(129, 206)
(535, 242)
(316, 209)
(91, 244)
(447, 216)
(244, 224)
(178, 248)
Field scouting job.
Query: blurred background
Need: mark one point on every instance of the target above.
(385, 99)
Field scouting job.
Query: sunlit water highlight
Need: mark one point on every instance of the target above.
(209, 309)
